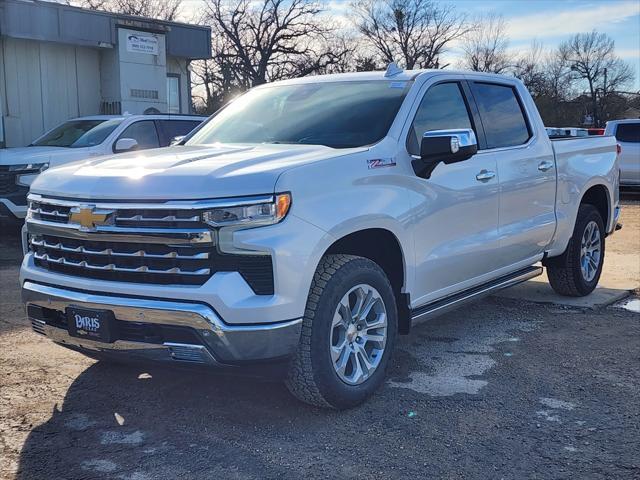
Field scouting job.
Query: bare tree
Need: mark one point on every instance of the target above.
(267, 40)
(485, 46)
(592, 60)
(412, 32)
(161, 9)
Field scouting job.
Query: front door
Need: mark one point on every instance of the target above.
(456, 208)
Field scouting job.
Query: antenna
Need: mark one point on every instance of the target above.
(392, 70)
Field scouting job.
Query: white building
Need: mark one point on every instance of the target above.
(58, 62)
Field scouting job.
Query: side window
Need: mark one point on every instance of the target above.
(144, 133)
(443, 107)
(174, 128)
(628, 132)
(502, 117)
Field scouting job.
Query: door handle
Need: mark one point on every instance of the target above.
(544, 166)
(485, 175)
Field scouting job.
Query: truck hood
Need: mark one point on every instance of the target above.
(181, 172)
(19, 155)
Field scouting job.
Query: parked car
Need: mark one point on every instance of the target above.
(311, 221)
(79, 139)
(627, 133)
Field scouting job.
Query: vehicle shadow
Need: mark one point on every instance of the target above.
(120, 421)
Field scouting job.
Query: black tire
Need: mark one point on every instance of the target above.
(564, 272)
(311, 376)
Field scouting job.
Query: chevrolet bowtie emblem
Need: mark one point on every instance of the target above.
(87, 216)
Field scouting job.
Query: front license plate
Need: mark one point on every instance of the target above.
(89, 324)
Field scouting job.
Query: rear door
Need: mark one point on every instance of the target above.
(527, 171)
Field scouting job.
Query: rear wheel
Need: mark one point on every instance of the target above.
(577, 271)
(348, 334)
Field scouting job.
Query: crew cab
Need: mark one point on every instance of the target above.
(79, 139)
(311, 221)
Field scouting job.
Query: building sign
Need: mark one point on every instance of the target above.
(142, 44)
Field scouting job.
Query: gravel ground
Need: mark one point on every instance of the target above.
(500, 389)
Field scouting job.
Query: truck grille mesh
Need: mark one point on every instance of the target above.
(171, 262)
(8, 183)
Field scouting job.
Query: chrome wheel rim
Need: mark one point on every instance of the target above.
(590, 251)
(358, 334)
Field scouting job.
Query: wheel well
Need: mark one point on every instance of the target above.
(599, 198)
(380, 246)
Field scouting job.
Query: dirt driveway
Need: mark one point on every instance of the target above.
(504, 388)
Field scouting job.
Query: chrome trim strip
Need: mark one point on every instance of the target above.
(166, 219)
(228, 343)
(439, 307)
(110, 252)
(175, 204)
(169, 236)
(113, 268)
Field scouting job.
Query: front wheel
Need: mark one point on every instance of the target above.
(348, 334)
(576, 272)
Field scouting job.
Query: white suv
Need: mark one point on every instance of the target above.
(627, 133)
(79, 139)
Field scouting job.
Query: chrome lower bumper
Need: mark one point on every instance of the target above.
(216, 343)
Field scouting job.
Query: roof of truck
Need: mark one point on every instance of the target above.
(401, 76)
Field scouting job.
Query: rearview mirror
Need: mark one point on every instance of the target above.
(446, 146)
(124, 145)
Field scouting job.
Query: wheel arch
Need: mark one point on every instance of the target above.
(383, 247)
(598, 195)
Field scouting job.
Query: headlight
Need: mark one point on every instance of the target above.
(262, 212)
(28, 167)
(27, 172)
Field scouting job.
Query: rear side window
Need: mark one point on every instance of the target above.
(628, 132)
(502, 117)
(168, 129)
(442, 108)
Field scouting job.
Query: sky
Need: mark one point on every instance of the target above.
(547, 21)
(552, 21)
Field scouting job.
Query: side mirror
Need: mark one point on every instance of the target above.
(446, 146)
(176, 140)
(124, 145)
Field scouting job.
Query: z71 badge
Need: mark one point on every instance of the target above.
(381, 162)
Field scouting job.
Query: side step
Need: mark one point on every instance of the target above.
(431, 310)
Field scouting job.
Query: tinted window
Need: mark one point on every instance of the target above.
(144, 133)
(174, 128)
(78, 133)
(628, 132)
(442, 108)
(335, 114)
(502, 117)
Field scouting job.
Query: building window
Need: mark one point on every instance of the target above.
(173, 94)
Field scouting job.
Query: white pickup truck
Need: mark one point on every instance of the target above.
(311, 221)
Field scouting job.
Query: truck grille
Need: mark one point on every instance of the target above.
(8, 183)
(167, 246)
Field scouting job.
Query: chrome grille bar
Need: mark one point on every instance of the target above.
(112, 253)
(112, 267)
(165, 236)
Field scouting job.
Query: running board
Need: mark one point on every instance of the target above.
(431, 310)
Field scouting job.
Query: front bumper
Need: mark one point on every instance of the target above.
(161, 330)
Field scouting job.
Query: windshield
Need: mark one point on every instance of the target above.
(78, 133)
(336, 114)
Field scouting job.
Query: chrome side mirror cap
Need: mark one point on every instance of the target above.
(446, 146)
